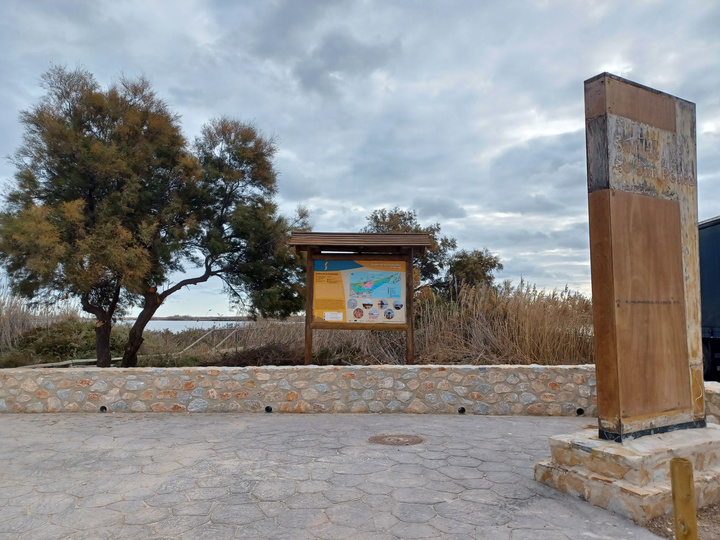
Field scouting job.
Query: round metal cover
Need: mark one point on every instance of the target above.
(396, 440)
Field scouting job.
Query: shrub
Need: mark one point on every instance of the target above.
(479, 325)
(17, 316)
(60, 341)
(72, 338)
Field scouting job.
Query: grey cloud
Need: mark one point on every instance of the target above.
(337, 216)
(519, 236)
(340, 56)
(708, 22)
(546, 174)
(543, 203)
(568, 238)
(709, 173)
(376, 104)
(549, 272)
(283, 28)
(541, 155)
(708, 155)
(440, 207)
(575, 236)
(411, 147)
(298, 188)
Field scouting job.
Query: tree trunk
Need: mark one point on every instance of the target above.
(103, 326)
(135, 339)
(102, 343)
(153, 301)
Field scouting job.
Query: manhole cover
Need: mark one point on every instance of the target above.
(396, 440)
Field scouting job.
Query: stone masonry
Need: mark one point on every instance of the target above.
(712, 402)
(632, 478)
(494, 390)
(490, 390)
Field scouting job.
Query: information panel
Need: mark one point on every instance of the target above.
(348, 291)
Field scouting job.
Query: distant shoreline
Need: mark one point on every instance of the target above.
(189, 318)
(217, 318)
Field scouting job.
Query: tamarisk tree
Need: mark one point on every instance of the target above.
(109, 199)
(397, 220)
(441, 267)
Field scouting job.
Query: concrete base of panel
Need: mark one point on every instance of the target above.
(632, 478)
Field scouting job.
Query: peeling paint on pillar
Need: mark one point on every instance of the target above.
(642, 141)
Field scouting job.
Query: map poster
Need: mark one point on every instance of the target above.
(348, 291)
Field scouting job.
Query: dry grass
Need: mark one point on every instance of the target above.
(507, 325)
(283, 343)
(17, 317)
(188, 348)
(487, 325)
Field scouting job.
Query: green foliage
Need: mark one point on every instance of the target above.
(474, 268)
(109, 198)
(15, 358)
(58, 341)
(435, 259)
(238, 229)
(441, 268)
(97, 202)
(172, 360)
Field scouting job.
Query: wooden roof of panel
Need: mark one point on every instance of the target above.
(359, 242)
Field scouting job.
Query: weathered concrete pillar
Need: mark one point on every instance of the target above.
(646, 300)
(642, 185)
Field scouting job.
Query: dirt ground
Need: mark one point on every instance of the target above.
(708, 524)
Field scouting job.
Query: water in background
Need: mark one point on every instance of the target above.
(179, 326)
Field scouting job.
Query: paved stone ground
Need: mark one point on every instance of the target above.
(289, 477)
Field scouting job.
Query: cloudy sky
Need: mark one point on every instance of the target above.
(468, 111)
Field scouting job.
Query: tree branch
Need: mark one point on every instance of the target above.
(190, 281)
(88, 307)
(115, 299)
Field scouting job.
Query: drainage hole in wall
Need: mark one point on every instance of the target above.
(268, 409)
(461, 410)
(103, 408)
(580, 411)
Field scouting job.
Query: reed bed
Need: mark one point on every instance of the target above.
(17, 317)
(506, 325)
(283, 343)
(480, 325)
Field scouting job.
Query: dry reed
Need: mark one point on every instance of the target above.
(482, 325)
(17, 316)
(479, 325)
(508, 325)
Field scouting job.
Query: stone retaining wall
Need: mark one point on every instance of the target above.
(494, 390)
(502, 390)
(712, 402)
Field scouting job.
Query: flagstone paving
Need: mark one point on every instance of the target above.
(276, 476)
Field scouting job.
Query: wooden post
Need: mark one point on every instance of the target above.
(683, 495)
(410, 317)
(309, 284)
(387, 250)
